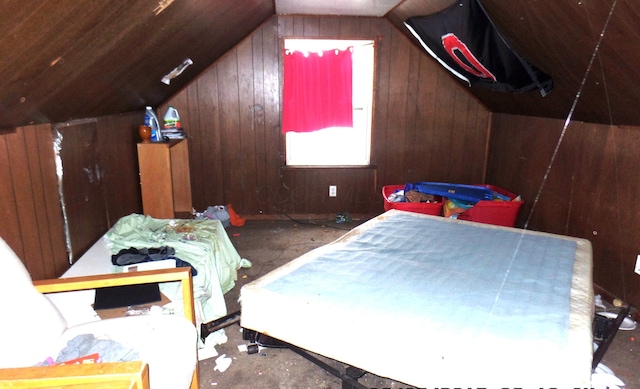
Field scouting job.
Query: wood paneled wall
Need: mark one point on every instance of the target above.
(591, 191)
(29, 203)
(100, 185)
(100, 178)
(426, 126)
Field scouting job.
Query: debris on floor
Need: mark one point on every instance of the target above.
(222, 363)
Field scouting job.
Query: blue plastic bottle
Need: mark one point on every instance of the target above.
(151, 120)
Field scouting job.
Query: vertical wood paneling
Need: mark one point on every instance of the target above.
(298, 26)
(349, 27)
(82, 184)
(311, 26)
(248, 165)
(457, 162)
(397, 105)
(423, 122)
(54, 222)
(591, 191)
(190, 118)
(410, 155)
(10, 226)
(444, 114)
(478, 127)
(118, 164)
(29, 203)
(379, 150)
(425, 119)
(26, 202)
(229, 103)
(273, 145)
(39, 200)
(210, 131)
(329, 27)
(365, 26)
(257, 112)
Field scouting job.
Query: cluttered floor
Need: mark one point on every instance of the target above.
(268, 244)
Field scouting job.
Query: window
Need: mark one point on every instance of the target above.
(338, 146)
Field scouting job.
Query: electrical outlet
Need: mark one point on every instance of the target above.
(638, 264)
(333, 191)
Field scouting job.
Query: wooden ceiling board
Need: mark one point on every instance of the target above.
(335, 7)
(74, 59)
(560, 38)
(68, 59)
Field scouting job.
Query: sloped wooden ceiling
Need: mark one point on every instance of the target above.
(560, 37)
(67, 59)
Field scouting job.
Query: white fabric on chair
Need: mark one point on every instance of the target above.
(171, 360)
(33, 329)
(31, 325)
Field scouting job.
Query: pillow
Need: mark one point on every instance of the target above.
(31, 325)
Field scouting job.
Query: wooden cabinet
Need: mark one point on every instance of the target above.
(165, 180)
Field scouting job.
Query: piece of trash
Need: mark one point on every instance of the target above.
(216, 212)
(598, 302)
(236, 220)
(343, 217)
(252, 348)
(627, 324)
(177, 71)
(397, 196)
(222, 363)
(604, 378)
(207, 350)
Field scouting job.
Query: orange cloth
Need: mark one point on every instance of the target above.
(235, 219)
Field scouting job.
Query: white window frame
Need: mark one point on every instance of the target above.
(338, 146)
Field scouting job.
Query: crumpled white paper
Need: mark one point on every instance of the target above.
(222, 363)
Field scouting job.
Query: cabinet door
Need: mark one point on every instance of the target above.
(181, 179)
(155, 180)
(164, 179)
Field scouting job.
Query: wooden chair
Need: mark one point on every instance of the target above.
(33, 329)
(117, 375)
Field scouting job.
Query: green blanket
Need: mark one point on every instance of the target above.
(203, 243)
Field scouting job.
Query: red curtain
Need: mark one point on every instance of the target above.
(317, 90)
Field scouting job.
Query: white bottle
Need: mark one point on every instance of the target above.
(172, 118)
(151, 120)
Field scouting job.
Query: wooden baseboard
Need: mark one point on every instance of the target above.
(304, 217)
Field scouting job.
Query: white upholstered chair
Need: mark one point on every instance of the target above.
(33, 329)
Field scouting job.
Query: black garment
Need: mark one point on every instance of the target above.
(133, 255)
(463, 39)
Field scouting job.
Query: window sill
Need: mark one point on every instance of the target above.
(325, 167)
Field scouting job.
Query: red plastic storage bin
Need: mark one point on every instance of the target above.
(500, 213)
(426, 208)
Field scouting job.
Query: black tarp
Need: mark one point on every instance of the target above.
(464, 40)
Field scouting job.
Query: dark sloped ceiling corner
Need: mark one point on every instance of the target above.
(64, 60)
(560, 37)
(77, 59)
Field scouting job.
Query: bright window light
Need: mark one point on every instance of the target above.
(338, 146)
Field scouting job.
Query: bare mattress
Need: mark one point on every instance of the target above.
(434, 302)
